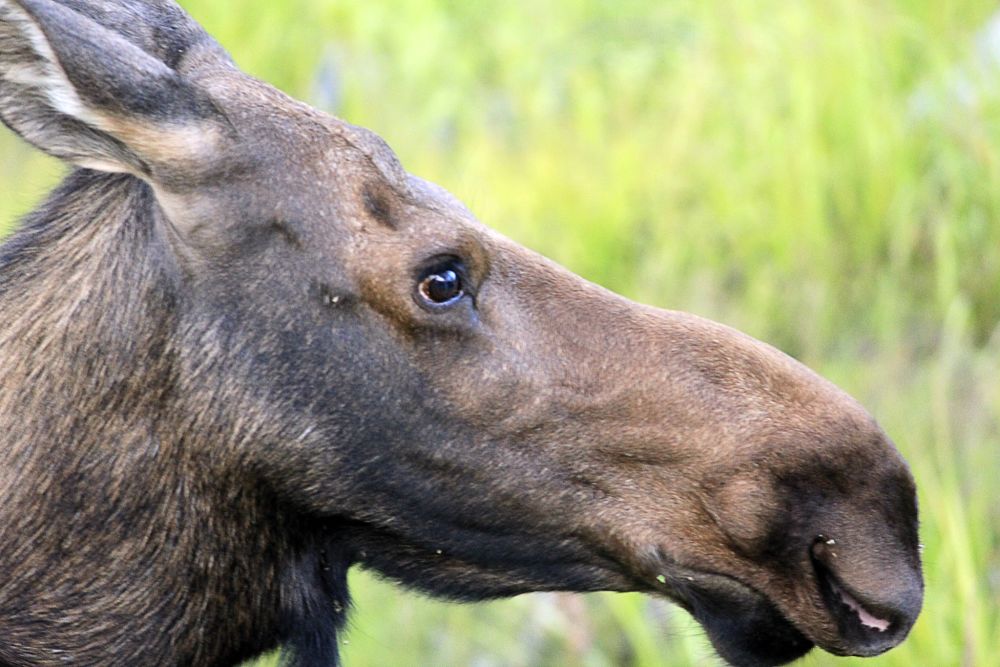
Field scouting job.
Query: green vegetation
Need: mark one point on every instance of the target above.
(810, 172)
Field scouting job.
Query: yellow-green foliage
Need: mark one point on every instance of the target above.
(822, 174)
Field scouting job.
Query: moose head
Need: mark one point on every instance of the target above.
(243, 350)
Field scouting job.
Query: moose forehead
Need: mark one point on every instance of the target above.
(319, 178)
(297, 149)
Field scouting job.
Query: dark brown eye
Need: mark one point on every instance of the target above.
(442, 287)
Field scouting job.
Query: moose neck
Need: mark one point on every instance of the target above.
(104, 304)
(114, 452)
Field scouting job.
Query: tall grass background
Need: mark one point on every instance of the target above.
(824, 175)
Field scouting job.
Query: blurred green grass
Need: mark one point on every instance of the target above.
(815, 173)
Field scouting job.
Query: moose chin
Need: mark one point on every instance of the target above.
(242, 350)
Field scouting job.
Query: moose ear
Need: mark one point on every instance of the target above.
(84, 93)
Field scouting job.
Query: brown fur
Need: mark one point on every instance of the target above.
(221, 389)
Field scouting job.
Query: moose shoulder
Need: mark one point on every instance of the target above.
(242, 350)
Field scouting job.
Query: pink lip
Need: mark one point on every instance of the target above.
(867, 619)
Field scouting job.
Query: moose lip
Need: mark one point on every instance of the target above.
(867, 619)
(759, 633)
(864, 628)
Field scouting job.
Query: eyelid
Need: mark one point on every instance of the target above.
(440, 263)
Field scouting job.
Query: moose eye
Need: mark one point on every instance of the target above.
(442, 286)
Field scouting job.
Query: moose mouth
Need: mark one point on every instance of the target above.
(747, 629)
(865, 629)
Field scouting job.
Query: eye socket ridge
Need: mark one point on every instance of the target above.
(443, 284)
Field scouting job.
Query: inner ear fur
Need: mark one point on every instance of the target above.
(82, 92)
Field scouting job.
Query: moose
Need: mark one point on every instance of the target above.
(242, 350)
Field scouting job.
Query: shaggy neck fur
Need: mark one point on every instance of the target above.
(122, 482)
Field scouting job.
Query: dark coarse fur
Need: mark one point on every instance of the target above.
(224, 382)
(119, 457)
